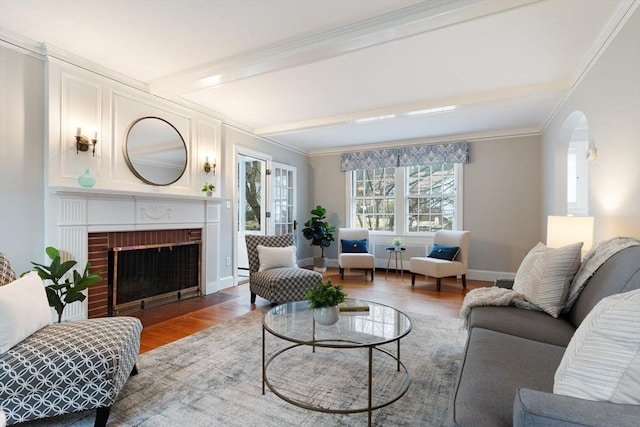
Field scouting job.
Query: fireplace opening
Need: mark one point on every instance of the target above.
(146, 276)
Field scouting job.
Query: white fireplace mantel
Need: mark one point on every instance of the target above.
(76, 212)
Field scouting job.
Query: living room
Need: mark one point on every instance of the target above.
(514, 180)
(529, 175)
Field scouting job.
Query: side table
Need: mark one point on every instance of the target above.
(395, 250)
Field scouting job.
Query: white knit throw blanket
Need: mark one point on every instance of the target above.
(495, 296)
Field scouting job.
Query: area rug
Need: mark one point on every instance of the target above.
(213, 378)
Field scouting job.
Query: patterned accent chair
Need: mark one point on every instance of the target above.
(7, 275)
(277, 284)
(67, 367)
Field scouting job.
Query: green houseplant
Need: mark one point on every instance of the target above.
(320, 233)
(324, 299)
(63, 290)
(208, 188)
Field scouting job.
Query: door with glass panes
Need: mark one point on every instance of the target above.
(266, 202)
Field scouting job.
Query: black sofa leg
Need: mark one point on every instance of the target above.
(413, 279)
(438, 280)
(464, 281)
(102, 415)
(253, 298)
(134, 371)
(372, 270)
(342, 273)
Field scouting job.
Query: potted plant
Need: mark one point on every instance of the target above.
(324, 299)
(320, 233)
(62, 290)
(208, 188)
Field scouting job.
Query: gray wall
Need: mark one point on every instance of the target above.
(501, 199)
(609, 96)
(22, 165)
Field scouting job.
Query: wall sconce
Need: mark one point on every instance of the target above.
(208, 167)
(82, 142)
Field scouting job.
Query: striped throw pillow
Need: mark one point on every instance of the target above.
(602, 360)
(545, 274)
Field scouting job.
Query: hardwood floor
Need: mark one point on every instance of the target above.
(190, 316)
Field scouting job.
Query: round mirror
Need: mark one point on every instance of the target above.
(155, 151)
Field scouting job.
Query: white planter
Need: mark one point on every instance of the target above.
(326, 315)
(320, 264)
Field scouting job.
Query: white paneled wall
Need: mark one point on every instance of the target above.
(120, 201)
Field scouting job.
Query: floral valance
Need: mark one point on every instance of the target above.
(370, 159)
(414, 155)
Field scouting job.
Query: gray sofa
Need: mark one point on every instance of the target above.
(512, 354)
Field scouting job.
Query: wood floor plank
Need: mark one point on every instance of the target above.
(421, 298)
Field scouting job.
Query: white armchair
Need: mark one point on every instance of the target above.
(354, 253)
(441, 267)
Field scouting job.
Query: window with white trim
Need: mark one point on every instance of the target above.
(374, 199)
(405, 200)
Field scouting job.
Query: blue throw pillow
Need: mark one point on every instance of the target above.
(354, 246)
(448, 253)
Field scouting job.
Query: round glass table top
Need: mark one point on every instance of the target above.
(381, 324)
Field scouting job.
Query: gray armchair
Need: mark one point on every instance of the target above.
(279, 284)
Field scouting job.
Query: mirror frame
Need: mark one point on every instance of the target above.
(130, 162)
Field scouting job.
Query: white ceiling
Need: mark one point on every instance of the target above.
(300, 72)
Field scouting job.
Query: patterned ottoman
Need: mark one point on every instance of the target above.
(69, 367)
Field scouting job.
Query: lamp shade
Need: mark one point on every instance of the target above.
(565, 230)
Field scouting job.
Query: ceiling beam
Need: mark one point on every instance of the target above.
(468, 100)
(410, 21)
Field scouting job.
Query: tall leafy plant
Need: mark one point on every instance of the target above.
(318, 230)
(63, 290)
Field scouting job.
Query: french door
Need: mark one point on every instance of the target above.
(283, 198)
(265, 201)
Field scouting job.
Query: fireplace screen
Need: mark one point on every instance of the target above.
(149, 275)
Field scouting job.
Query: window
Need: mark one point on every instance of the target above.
(431, 198)
(374, 193)
(412, 199)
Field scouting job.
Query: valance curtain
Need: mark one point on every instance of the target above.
(370, 159)
(414, 155)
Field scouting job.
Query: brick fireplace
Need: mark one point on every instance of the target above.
(98, 250)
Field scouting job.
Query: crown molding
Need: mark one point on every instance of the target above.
(23, 44)
(410, 21)
(618, 20)
(470, 137)
(80, 62)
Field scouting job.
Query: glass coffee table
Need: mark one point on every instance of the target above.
(371, 329)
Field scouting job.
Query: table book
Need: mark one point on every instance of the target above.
(353, 305)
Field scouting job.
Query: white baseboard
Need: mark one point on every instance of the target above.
(218, 285)
(481, 275)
